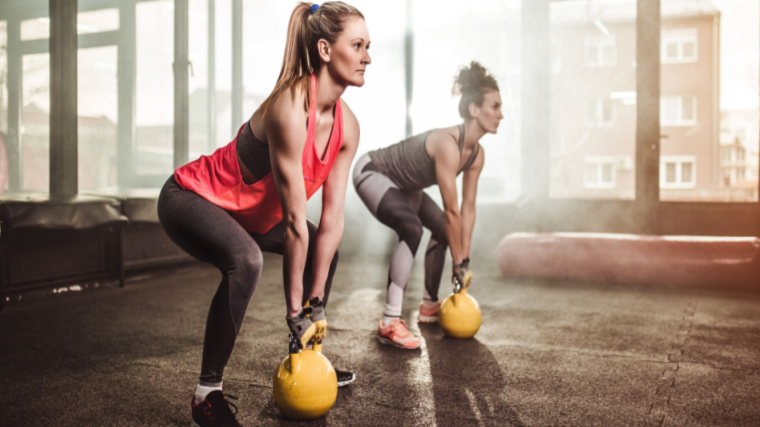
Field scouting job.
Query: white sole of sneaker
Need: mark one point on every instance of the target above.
(427, 319)
(345, 383)
(386, 341)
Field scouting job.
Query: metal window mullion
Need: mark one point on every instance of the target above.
(15, 105)
(237, 64)
(126, 86)
(409, 65)
(648, 107)
(211, 82)
(63, 98)
(535, 99)
(181, 83)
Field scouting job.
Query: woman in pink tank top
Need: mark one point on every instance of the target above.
(228, 207)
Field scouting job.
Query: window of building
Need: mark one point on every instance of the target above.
(741, 134)
(593, 100)
(678, 110)
(600, 172)
(678, 172)
(679, 46)
(599, 112)
(601, 51)
(725, 154)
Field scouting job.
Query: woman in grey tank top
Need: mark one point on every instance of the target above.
(390, 181)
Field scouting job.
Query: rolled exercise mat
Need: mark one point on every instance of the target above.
(723, 262)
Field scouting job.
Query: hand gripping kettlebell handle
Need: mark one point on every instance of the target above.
(457, 285)
(293, 344)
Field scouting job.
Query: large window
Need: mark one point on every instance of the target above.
(202, 100)
(593, 100)
(35, 123)
(97, 101)
(97, 110)
(154, 113)
(709, 109)
(487, 31)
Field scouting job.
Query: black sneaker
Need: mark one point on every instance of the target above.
(215, 411)
(344, 377)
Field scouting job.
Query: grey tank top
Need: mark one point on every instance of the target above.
(409, 166)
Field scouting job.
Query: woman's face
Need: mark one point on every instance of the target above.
(348, 55)
(488, 114)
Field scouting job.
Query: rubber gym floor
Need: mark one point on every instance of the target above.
(548, 353)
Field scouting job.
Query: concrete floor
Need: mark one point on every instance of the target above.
(548, 353)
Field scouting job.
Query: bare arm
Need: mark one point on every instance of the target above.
(469, 194)
(331, 223)
(286, 134)
(446, 157)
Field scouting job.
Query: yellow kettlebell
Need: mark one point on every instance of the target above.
(460, 315)
(305, 383)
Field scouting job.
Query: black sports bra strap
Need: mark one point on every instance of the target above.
(472, 158)
(461, 138)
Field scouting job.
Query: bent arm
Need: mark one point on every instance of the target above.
(469, 194)
(287, 135)
(331, 223)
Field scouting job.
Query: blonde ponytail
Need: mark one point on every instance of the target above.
(308, 24)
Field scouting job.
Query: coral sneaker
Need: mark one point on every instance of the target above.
(429, 312)
(397, 334)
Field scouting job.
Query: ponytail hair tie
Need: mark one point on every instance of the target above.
(314, 8)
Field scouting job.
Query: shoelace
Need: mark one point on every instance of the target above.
(397, 328)
(230, 403)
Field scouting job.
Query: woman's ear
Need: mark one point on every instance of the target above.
(323, 47)
(473, 109)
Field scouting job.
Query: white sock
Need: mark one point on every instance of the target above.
(201, 391)
(387, 320)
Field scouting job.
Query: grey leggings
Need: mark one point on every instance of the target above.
(406, 212)
(210, 234)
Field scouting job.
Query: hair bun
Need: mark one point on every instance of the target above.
(472, 78)
(471, 83)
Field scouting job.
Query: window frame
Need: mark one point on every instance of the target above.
(680, 37)
(679, 121)
(598, 162)
(679, 162)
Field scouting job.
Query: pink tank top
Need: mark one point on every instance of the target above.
(256, 207)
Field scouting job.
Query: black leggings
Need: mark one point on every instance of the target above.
(210, 234)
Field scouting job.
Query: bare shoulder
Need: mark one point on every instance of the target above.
(443, 141)
(350, 125)
(286, 113)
